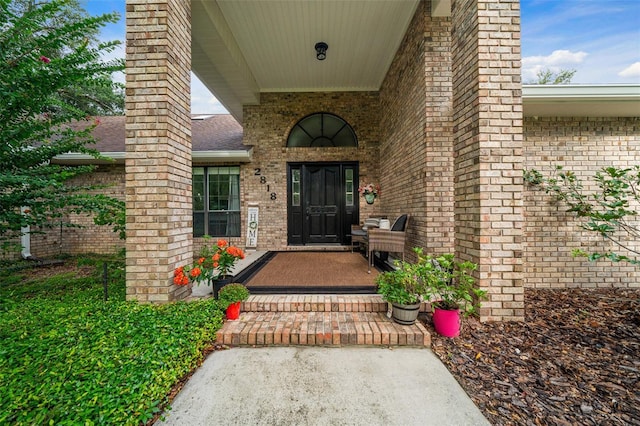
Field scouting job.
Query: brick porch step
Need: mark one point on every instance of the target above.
(317, 303)
(317, 320)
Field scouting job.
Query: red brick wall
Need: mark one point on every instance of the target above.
(582, 145)
(416, 158)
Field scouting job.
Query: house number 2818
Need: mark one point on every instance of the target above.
(263, 180)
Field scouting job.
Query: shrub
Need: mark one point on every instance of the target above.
(69, 357)
(402, 285)
(449, 284)
(232, 293)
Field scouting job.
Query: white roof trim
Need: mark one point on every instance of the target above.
(581, 91)
(119, 157)
(80, 158)
(223, 156)
(581, 100)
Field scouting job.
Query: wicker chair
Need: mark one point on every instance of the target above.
(389, 240)
(359, 233)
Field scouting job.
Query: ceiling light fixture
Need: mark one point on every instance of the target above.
(321, 50)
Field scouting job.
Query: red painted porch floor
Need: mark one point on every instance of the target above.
(319, 320)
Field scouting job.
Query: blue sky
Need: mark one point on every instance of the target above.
(600, 39)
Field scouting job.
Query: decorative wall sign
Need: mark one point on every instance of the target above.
(252, 227)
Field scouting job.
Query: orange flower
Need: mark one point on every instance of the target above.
(216, 257)
(195, 272)
(238, 253)
(179, 271)
(201, 260)
(215, 264)
(181, 279)
(234, 251)
(222, 243)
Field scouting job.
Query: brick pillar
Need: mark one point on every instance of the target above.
(439, 205)
(158, 147)
(488, 137)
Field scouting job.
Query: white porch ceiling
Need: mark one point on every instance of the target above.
(243, 48)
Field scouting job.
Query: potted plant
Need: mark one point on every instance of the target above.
(403, 288)
(212, 265)
(224, 257)
(230, 297)
(370, 192)
(451, 289)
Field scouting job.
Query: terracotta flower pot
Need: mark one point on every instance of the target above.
(233, 311)
(446, 323)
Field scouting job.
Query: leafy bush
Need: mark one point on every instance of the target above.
(232, 293)
(68, 357)
(50, 72)
(610, 210)
(401, 285)
(449, 284)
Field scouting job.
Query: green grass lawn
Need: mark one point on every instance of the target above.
(69, 357)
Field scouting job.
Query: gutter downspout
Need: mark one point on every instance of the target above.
(25, 238)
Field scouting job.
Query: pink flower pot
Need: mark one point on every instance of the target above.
(233, 311)
(446, 323)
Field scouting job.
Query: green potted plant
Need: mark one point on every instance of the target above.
(230, 297)
(212, 265)
(451, 289)
(404, 289)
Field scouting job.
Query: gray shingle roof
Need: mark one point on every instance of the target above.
(220, 132)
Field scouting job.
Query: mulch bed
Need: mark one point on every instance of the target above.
(575, 360)
(49, 270)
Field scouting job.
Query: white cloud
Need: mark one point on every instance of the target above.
(556, 61)
(557, 58)
(202, 101)
(632, 70)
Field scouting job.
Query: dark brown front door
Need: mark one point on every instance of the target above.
(322, 202)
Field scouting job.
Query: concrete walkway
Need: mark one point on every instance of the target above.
(323, 386)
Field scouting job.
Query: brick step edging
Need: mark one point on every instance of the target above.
(320, 329)
(318, 303)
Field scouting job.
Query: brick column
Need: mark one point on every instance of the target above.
(158, 147)
(488, 136)
(439, 203)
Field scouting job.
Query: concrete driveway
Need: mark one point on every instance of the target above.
(323, 386)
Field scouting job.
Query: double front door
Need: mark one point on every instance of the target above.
(322, 202)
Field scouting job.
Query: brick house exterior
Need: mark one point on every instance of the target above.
(445, 135)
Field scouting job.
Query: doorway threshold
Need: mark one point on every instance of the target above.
(318, 247)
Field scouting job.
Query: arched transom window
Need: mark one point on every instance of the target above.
(322, 130)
